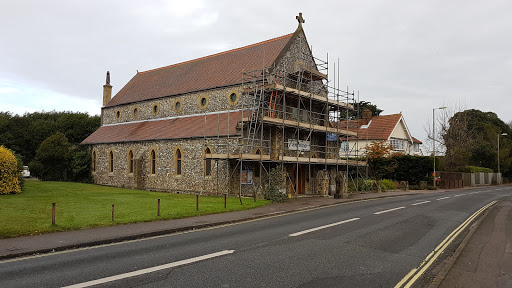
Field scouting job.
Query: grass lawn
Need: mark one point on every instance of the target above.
(81, 206)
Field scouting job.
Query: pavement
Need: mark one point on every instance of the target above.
(484, 258)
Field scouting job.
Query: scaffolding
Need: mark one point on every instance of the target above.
(295, 119)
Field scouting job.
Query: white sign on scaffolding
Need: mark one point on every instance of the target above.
(299, 145)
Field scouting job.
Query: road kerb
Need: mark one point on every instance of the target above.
(416, 273)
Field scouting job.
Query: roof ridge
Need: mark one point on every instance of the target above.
(220, 53)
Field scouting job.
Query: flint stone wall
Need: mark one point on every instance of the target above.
(192, 179)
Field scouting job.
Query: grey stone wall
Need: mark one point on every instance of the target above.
(192, 179)
(166, 107)
(299, 52)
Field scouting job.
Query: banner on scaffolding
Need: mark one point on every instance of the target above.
(246, 176)
(331, 137)
(299, 145)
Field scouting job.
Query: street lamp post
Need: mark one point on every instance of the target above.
(499, 174)
(434, 138)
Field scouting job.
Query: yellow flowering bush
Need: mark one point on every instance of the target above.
(9, 182)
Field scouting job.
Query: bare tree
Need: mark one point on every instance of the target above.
(510, 123)
(442, 125)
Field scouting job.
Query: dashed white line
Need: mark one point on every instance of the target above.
(385, 211)
(442, 198)
(458, 195)
(151, 269)
(322, 227)
(419, 203)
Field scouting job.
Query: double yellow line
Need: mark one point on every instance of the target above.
(416, 273)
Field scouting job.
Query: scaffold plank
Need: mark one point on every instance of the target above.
(306, 160)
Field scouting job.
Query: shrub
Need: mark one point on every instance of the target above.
(276, 189)
(53, 159)
(9, 173)
(386, 184)
(414, 187)
(361, 185)
(81, 167)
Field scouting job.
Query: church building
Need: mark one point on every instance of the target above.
(218, 124)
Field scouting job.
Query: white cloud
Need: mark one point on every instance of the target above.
(403, 55)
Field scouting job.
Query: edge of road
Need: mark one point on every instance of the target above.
(446, 265)
(431, 272)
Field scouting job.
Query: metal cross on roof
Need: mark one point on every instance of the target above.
(300, 19)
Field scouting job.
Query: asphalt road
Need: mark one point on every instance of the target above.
(360, 244)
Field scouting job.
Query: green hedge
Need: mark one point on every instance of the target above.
(408, 168)
(476, 169)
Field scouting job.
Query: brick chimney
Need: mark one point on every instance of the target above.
(107, 90)
(367, 116)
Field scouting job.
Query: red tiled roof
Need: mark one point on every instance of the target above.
(212, 71)
(380, 127)
(416, 141)
(187, 127)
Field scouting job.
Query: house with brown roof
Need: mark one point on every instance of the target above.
(391, 129)
(220, 123)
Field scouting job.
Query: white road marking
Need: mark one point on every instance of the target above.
(474, 192)
(458, 195)
(322, 227)
(420, 203)
(385, 211)
(150, 270)
(443, 198)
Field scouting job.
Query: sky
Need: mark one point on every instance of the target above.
(403, 56)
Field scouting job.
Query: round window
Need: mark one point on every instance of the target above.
(233, 97)
(203, 102)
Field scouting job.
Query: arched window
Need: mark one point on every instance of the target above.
(257, 165)
(93, 161)
(130, 162)
(153, 162)
(207, 162)
(111, 162)
(178, 161)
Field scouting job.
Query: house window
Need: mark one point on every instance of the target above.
(111, 162)
(207, 162)
(93, 161)
(118, 114)
(398, 144)
(416, 147)
(135, 113)
(178, 161)
(345, 146)
(257, 165)
(130, 162)
(155, 109)
(153, 162)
